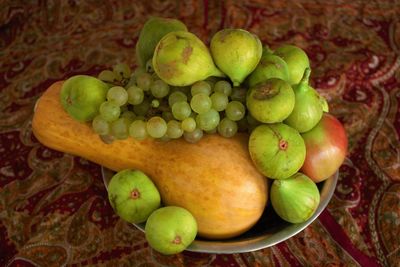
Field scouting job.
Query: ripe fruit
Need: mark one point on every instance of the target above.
(82, 95)
(296, 60)
(181, 59)
(326, 147)
(236, 52)
(271, 101)
(295, 199)
(270, 66)
(170, 230)
(153, 30)
(307, 108)
(277, 150)
(133, 196)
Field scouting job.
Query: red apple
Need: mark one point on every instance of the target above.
(326, 148)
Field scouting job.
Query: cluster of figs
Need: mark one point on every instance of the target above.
(297, 143)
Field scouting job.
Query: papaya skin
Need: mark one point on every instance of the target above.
(214, 179)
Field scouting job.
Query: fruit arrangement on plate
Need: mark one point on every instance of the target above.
(197, 134)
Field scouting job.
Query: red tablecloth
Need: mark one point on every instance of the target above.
(53, 207)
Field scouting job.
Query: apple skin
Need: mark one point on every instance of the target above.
(326, 148)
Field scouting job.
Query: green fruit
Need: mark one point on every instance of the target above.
(296, 59)
(236, 52)
(295, 199)
(181, 59)
(277, 150)
(133, 195)
(308, 109)
(170, 230)
(82, 95)
(271, 101)
(324, 103)
(153, 30)
(270, 66)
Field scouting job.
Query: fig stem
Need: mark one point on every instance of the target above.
(267, 50)
(306, 76)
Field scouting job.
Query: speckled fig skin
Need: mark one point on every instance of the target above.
(82, 95)
(277, 150)
(236, 52)
(133, 195)
(270, 66)
(308, 107)
(271, 101)
(295, 199)
(153, 30)
(296, 59)
(181, 59)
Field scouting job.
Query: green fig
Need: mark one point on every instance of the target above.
(82, 95)
(296, 60)
(236, 52)
(270, 66)
(308, 107)
(133, 195)
(278, 151)
(170, 230)
(153, 30)
(181, 59)
(295, 199)
(271, 101)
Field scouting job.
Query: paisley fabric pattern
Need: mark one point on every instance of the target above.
(53, 206)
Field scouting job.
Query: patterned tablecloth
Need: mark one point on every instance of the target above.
(53, 206)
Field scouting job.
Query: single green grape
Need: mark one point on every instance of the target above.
(174, 129)
(120, 128)
(176, 97)
(193, 136)
(122, 70)
(223, 87)
(100, 126)
(135, 95)
(235, 110)
(109, 111)
(200, 87)
(201, 103)
(159, 89)
(181, 110)
(138, 130)
(142, 108)
(156, 127)
(189, 124)
(219, 101)
(128, 114)
(208, 120)
(227, 128)
(155, 103)
(118, 95)
(144, 81)
(107, 76)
